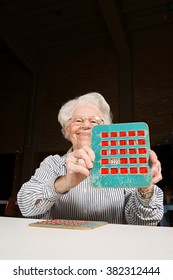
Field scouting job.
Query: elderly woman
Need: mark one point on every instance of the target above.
(60, 187)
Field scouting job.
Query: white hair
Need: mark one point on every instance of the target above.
(66, 111)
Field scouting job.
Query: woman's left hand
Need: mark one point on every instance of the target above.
(156, 168)
(156, 176)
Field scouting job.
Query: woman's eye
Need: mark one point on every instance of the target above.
(93, 121)
(78, 120)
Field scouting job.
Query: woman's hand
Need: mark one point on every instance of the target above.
(80, 161)
(156, 168)
(78, 164)
(156, 176)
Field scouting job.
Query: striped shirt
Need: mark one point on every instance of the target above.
(37, 198)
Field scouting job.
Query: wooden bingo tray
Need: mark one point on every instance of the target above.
(121, 155)
(68, 224)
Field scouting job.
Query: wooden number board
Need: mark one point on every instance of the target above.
(121, 156)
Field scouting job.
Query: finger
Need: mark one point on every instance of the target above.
(73, 167)
(79, 161)
(89, 151)
(156, 173)
(85, 157)
(156, 179)
(153, 157)
(156, 168)
(76, 165)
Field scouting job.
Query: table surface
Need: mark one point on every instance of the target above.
(109, 242)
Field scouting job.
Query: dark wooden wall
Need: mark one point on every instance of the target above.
(75, 72)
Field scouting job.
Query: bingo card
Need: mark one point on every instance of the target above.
(68, 224)
(121, 155)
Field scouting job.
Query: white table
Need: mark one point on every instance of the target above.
(109, 242)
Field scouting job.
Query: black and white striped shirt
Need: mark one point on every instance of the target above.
(38, 198)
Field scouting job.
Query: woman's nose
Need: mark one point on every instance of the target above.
(86, 123)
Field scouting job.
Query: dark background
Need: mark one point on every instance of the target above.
(52, 51)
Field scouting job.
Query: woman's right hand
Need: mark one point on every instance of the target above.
(78, 164)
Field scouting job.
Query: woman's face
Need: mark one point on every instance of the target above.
(78, 128)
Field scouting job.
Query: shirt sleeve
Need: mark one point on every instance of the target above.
(38, 195)
(139, 211)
